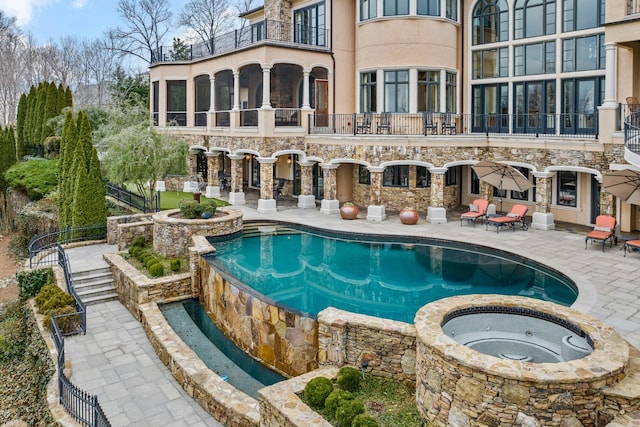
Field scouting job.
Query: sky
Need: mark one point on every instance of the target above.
(54, 19)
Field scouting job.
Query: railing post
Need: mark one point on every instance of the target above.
(355, 123)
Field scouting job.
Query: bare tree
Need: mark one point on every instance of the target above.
(11, 45)
(146, 24)
(207, 19)
(67, 66)
(99, 66)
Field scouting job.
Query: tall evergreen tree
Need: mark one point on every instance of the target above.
(68, 140)
(62, 99)
(68, 97)
(30, 120)
(39, 113)
(50, 111)
(20, 123)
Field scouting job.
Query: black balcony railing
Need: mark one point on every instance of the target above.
(435, 124)
(632, 132)
(200, 119)
(633, 7)
(271, 31)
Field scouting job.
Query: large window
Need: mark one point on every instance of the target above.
(475, 183)
(490, 106)
(567, 188)
(155, 93)
(521, 195)
(396, 176)
(396, 91)
(364, 175)
(582, 14)
(452, 9)
(451, 93)
(428, 7)
(580, 97)
(257, 31)
(396, 7)
(203, 99)
(177, 102)
(428, 91)
(490, 63)
(368, 9)
(583, 53)
(534, 18)
(534, 107)
(490, 21)
(423, 177)
(451, 176)
(309, 25)
(368, 92)
(536, 58)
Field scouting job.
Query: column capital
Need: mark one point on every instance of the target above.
(542, 174)
(212, 153)
(376, 169)
(266, 67)
(328, 166)
(438, 171)
(306, 163)
(236, 156)
(266, 160)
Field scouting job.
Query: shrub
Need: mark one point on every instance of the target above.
(45, 293)
(175, 265)
(349, 378)
(156, 270)
(150, 261)
(317, 390)
(189, 208)
(31, 282)
(12, 329)
(348, 411)
(139, 242)
(37, 177)
(363, 420)
(336, 398)
(69, 320)
(144, 255)
(58, 300)
(134, 251)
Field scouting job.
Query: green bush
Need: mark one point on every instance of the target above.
(45, 293)
(58, 300)
(336, 398)
(317, 390)
(156, 270)
(348, 411)
(144, 255)
(139, 242)
(191, 209)
(134, 251)
(12, 329)
(175, 265)
(37, 177)
(363, 420)
(150, 261)
(349, 378)
(68, 320)
(30, 282)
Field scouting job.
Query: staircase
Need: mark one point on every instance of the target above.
(95, 286)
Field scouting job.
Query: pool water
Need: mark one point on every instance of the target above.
(189, 320)
(308, 270)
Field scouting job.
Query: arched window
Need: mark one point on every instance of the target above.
(490, 21)
(534, 18)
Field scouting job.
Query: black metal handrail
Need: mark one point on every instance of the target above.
(271, 31)
(133, 199)
(632, 132)
(42, 247)
(82, 406)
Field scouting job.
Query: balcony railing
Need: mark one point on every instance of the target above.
(575, 124)
(271, 31)
(632, 132)
(287, 117)
(633, 7)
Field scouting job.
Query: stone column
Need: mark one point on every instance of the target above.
(266, 203)
(306, 199)
(376, 210)
(542, 218)
(608, 112)
(305, 91)
(607, 204)
(212, 102)
(436, 213)
(236, 90)
(213, 166)
(236, 195)
(329, 204)
(266, 86)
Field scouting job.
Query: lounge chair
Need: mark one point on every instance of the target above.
(478, 209)
(513, 218)
(631, 245)
(605, 229)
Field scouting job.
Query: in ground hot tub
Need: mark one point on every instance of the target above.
(516, 333)
(489, 360)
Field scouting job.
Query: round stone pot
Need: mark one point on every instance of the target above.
(409, 216)
(349, 212)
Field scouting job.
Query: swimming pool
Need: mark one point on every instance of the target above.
(308, 269)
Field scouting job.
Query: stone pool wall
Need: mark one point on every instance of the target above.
(387, 346)
(134, 288)
(172, 234)
(284, 341)
(122, 230)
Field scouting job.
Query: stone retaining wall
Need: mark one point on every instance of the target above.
(172, 234)
(223, 401)
(117, 228)
(134, 288)
(387, 346)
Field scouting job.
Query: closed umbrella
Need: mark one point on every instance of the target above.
(501, 176)
(624, 184)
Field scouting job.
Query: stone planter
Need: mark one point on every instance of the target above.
(409, 216)
(349, 211)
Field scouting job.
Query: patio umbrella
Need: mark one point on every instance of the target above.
(624, 184)
(502, 176)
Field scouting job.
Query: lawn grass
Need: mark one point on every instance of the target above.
(170, 199)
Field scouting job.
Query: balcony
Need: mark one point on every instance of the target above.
(272, 32)
(632, 138)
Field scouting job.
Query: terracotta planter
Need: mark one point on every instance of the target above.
(409, 216)
(349, 212)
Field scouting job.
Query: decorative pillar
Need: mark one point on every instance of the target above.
(306, 199)
(607, 204)
(542, 218)
(376, 210)
(329, 204)
(212, 101)
(266, 203)
(486, 193)
(213, 167)
(236, 90)
(611, 75)
(236, 195)
(436, 213)
(266, 86)
(305, 91)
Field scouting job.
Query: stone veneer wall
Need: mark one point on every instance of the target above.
(172, 234)
(219, 398)
(114, 230)
(388, 346)
(134, 288)
(282, 340)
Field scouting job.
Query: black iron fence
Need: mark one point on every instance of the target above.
(133, 199)
(632, 132)
(43, 247)
(265, 31)
(565, 124)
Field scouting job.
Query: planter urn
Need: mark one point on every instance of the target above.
(409, 216)
(349, 211)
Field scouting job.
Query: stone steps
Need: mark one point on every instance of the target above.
(95, 286)
(627, 393)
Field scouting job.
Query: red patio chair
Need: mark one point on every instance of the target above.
(480, 211)
(516, 216)
(604, 230)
